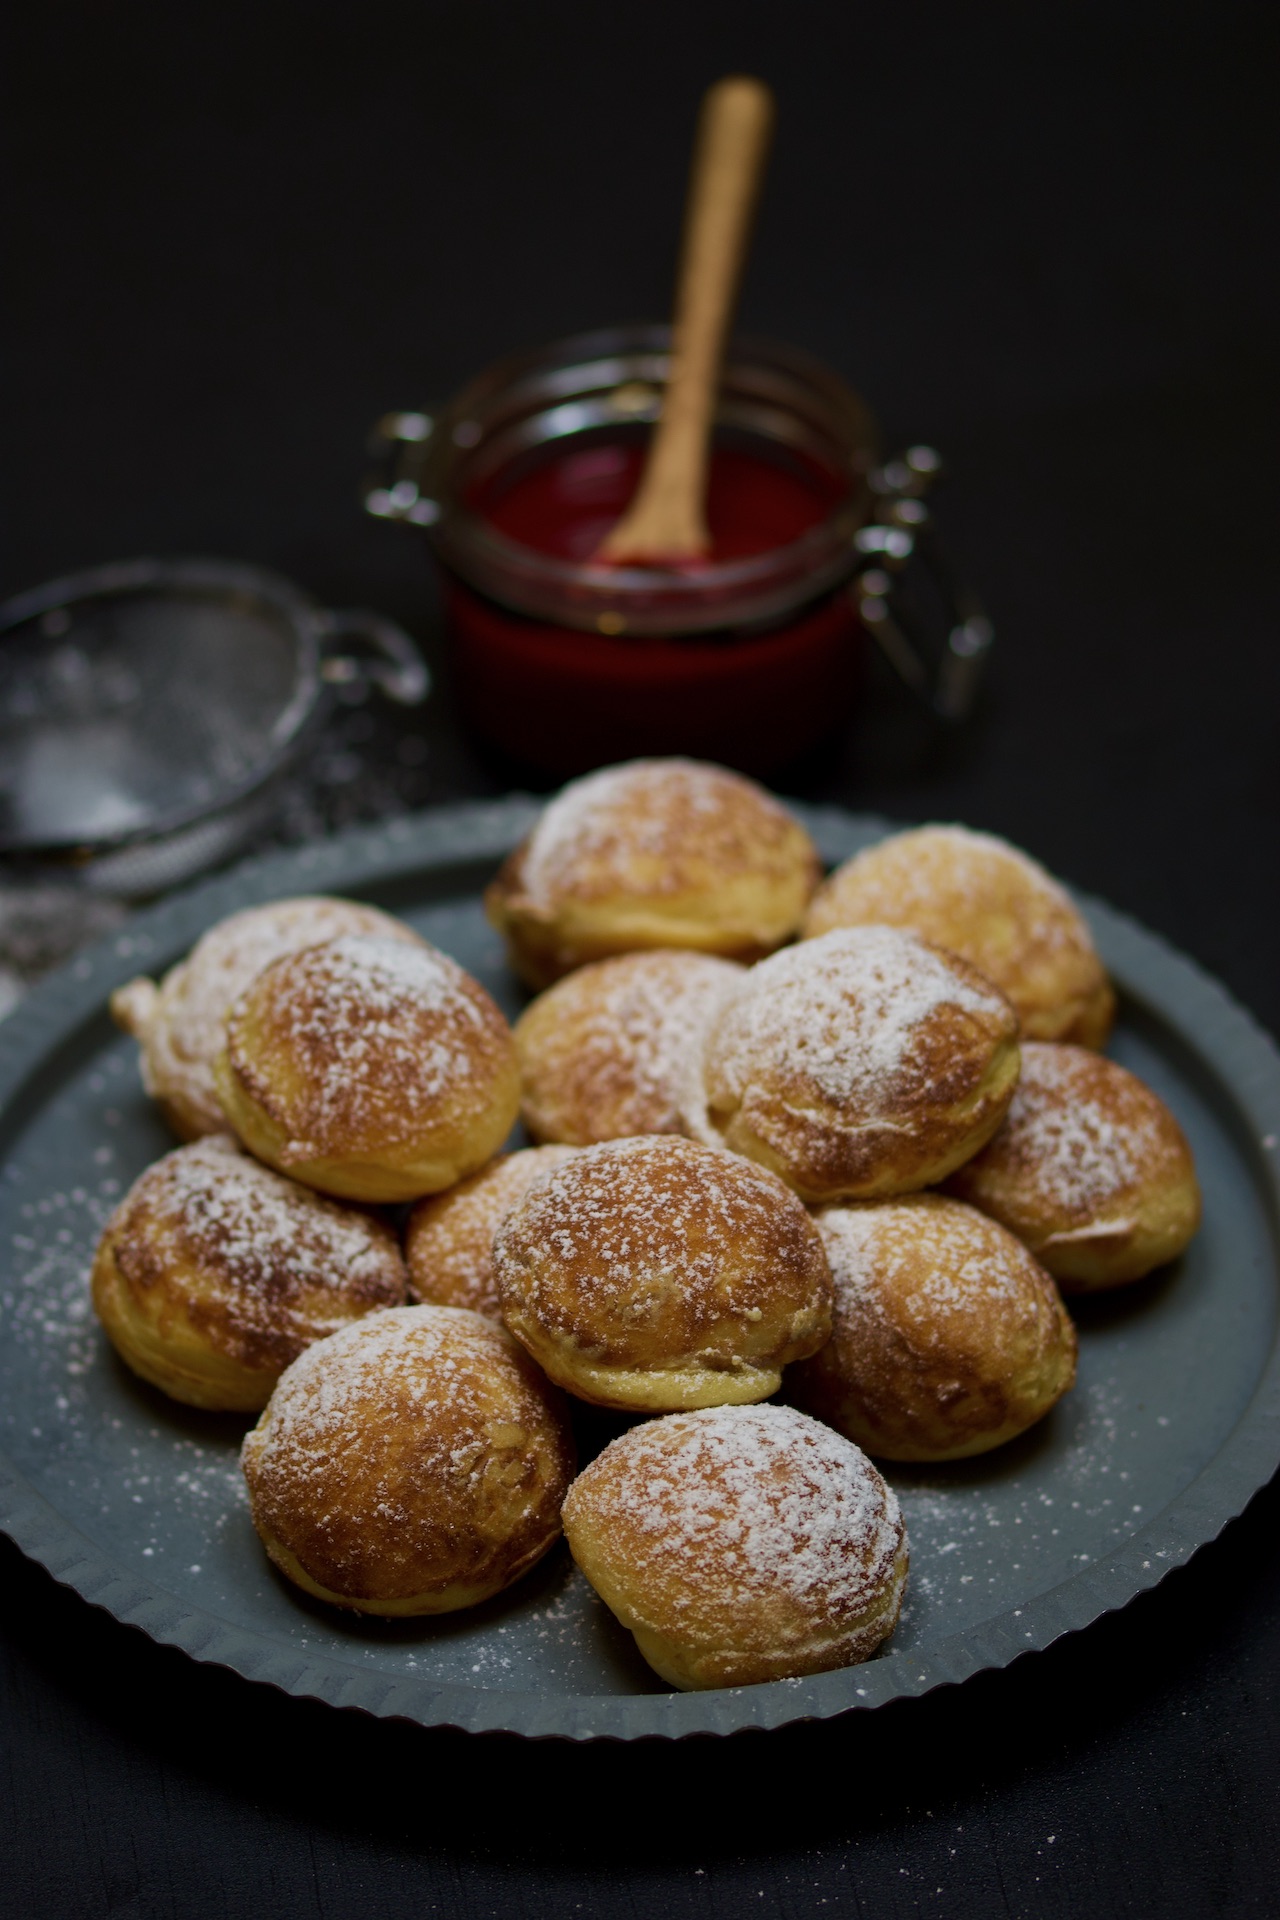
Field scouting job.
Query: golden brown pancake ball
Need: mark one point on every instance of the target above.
(740, 1544)
(449, 1241)
(369, 1068)
(654, 1273)
(1090, 1170)
(180, 1022)
(616, 1048)
(415, 1463)
(214, 1273)
(654, 853)
(993, 905)
(863, 1062)
(949, 1337)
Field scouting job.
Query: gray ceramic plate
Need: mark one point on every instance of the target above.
(137, 1503)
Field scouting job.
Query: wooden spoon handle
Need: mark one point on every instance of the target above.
(667, 517)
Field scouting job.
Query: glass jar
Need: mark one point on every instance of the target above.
(566, 662)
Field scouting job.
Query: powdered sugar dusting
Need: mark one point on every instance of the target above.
(184, 1030)
(636, 1226)
(383, 1032)
(913, 878)
(616, 1049)
(845, 1015)
(664, 812)
(924, 1256)
(369, 977)
(450, 1239)
(775, 1502)
(1082, 1149)
(416, 1359)
(381, 1443)
(286, 1263)
(947, 1332)
(985, 900)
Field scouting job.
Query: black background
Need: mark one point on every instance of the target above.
(1041, 238)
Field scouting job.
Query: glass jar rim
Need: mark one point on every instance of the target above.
(613, 377)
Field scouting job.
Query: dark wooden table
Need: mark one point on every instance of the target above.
(1043, 239)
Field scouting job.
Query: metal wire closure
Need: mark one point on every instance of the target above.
(930, 627)
(901, 535)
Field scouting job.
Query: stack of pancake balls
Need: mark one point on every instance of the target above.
(841, 1140)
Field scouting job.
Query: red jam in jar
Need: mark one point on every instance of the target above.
(565, 662)
(566, 504)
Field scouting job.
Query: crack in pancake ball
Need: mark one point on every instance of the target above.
(651, 1274)
(653, 853)
(214, 1273)
(414, 1463)
(864, 1062)
(179, 1023)
(449, 1237)
(740, 1544)
(949, 1337)
(1090, 1170)
(370, 1069)
(993, 905)
(615, 1048)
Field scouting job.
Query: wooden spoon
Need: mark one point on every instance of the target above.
(666, 522)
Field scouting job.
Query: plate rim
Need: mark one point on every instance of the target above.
(1234, 1048)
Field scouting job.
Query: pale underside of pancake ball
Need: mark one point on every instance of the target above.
(1090, 1170)
(653, 853)
(860, 1063)
(653, 1273)
(740, 1544)
(370, 1069)
(214, 1273)
(949, 1337)
(180, 1022)
(987, 901)
(449, 1238)
(615, 1049)
(414, 1464)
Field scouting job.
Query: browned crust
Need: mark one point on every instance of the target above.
(992, 904)
(674, 854)
(449, 1237)
(609, 1051)
(1090, 1170)
(646, 1269)
(940, 1101)
(705, 1612)
(329, 1088)
(179, 1023)
(949, 1338)
(214, 1273)
(415, 1473)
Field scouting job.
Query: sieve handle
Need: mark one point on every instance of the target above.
(396, 668)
